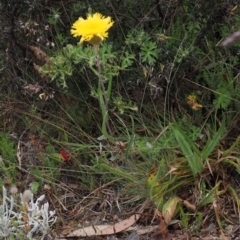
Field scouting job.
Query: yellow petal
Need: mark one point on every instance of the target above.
(94, 25)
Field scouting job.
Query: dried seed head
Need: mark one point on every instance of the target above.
(26, 196)
(13, 189)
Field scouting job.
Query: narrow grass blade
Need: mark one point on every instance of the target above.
(209, 196)
(104, 127)
(129, 146)
(118, 172)
(109, 90)
(236, 197)
(189, 150)
(210, 146)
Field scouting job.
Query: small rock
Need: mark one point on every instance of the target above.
(133, 236)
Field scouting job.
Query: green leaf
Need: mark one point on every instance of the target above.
(189, 150)
(223, 99)
(149, 52)
(210, 146)
(236, 197)
(127, 60)
(208, 198)
(131, 140)
(34, 187)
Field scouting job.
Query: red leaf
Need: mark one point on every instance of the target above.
(65, 156)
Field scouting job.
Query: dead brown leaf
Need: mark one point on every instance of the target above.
(42, 58)
(189, 206)
(104, 229)
(169, 209)
(162, 230)
(35, 88)
(39, 54)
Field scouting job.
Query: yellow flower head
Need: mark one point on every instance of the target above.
(93, 29)
(192, 101)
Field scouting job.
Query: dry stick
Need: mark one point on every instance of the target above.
(231, 39)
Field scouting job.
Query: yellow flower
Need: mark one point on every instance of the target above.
(192, 101)
(93, 29)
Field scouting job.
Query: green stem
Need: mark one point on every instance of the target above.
(102, 92)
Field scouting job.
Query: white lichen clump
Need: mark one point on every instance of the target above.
(29, 217)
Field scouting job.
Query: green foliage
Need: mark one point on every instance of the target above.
(149, 52)
(148, 130)
(122, 106)
(223, 99)
(198, 222)
(54, 17)
(8, 161)
(189, 150)
(196, 158)
(77, 58)
(7, 148)
(137, 38)
(59, 71)
(208, 196)
(184, 219)
(212, 142)
(219, 78)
